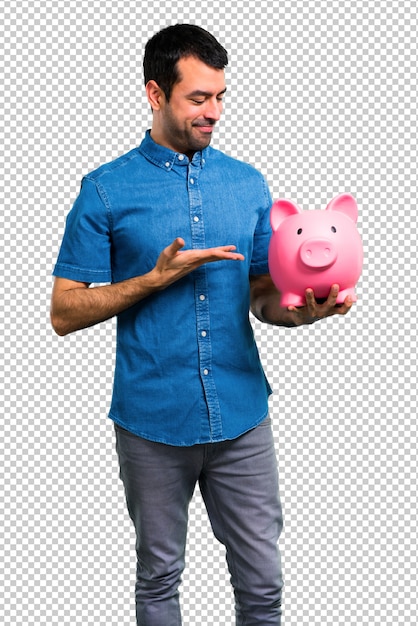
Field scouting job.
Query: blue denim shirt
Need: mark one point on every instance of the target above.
(187, 366)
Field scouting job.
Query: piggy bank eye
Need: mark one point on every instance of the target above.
(333, 229)
(299, 231)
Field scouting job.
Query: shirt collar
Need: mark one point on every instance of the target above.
(165, 158)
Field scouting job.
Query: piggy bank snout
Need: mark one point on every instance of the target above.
(318, 253)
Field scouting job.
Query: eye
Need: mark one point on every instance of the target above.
(299, 231)
(333, 229)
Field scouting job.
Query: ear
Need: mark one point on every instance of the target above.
(154, 94)
(345, 203)
(280, 210)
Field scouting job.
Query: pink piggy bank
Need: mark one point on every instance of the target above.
(315, 249)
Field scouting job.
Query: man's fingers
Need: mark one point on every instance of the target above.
(177, 245)
(333, 294)
(204, 255)
(315, 310)
(343, 308)
(227, 252)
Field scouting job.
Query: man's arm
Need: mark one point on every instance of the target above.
(74, 305)
(265, 304)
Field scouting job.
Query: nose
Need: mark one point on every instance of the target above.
(213, 109)
(318, 253)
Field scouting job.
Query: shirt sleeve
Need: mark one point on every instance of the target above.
(262, 235)
(85, 253)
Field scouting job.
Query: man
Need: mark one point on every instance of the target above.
(181, 232)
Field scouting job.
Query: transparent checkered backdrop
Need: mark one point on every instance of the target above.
(322, 98)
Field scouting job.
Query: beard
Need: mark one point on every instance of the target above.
(188, 137)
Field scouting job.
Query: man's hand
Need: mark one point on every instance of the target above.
(265, 305)
(175, 263)
(74, 305)
(314, 310)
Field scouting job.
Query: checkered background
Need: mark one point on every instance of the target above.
(322, 98)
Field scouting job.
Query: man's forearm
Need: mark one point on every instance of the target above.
(265, 303)
(74, 305)
(81, 307)
(268, 310)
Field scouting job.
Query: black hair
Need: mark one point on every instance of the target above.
(168, 46)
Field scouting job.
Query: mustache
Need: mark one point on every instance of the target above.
(205, 122)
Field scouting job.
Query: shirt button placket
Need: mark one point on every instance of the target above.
(202, 305)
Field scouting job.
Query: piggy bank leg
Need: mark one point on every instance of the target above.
(292, 299)
(344, 293)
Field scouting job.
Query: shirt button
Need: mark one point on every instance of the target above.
(167, 164)
(204, 333)
(202, 297)
(192, 181)
(195, 219)
(206, 372)
(181, 157)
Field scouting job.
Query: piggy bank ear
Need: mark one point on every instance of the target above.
(345, 203)
(280, 210)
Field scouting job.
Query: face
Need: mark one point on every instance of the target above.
(185, 123)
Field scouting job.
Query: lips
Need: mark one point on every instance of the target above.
(204, 127)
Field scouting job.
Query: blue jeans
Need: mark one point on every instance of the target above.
(238, 480)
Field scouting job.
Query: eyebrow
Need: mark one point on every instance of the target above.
(206, 94)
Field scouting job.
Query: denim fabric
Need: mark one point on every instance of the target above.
(239, 483)
(187, 367)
